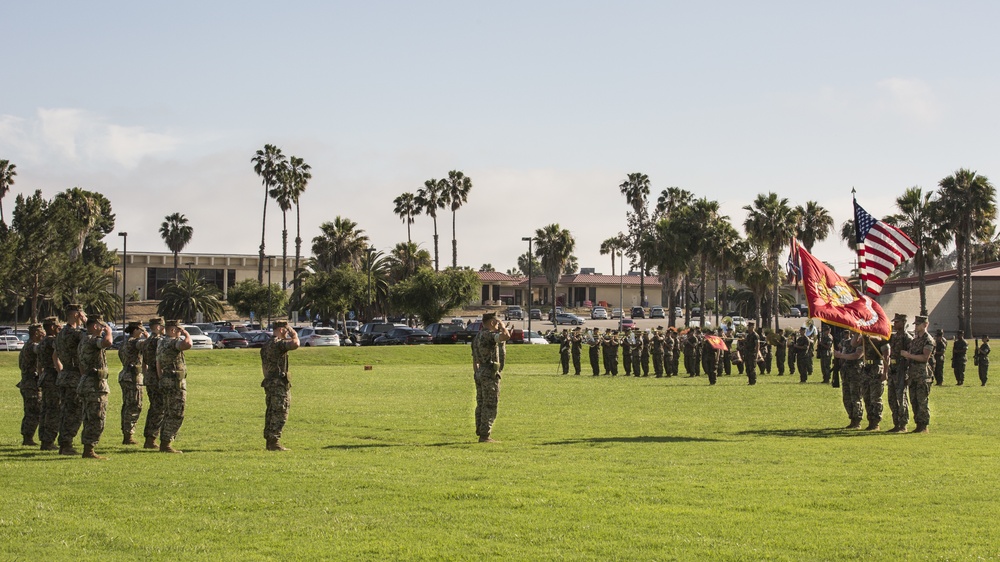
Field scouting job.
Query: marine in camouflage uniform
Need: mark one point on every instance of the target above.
(594, 352)
(824, 351)
(711, 356)
(615, 343)
(70, 404)
(172, 369)
(564, 345)
(983, 359)
(606, 350)
(780, 351)
(31, 394)
(576, 349)
(792, 357)
(48, 371)
(959, 358)
(656, 350)
(277, 386)
(486, 363)
(151, 380)
(93, 386)
(850, 354)
(940, 347)
(644, 356)
(130, 380)
(803, 357)
(751, 349)
(919, 378)
(896, 391)
(626, 352)
(873, 376)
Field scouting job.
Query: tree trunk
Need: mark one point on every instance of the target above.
(176, 278)
(284, 249)
(436, 262)
(263, 229)
(960, 272)
(454, 243)
(298, 246)
(774, 294)
(704, 291)
(968, 284)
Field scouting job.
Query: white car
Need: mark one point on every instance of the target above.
(198, 338)
(535, 337)
(567, 318)
(317, 337)
(11, 343)
(599, 313)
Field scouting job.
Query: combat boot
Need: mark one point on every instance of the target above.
(166, 448)
(855, 424)
(921, 429)
(49, 446)
(88, 453)
(127, 439)
(68, 450)
(28, 441)
(150, 443)
(872, 426)
(274, 444)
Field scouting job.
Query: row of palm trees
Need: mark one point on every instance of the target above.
(446, 193)
(284, 180)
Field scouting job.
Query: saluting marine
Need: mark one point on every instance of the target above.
(172, 370)
(131, 380)
(277, 386)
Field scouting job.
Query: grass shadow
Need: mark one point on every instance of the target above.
(363, 446)
(637, 439)
(810, 433)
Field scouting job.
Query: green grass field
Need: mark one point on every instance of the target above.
(385, 466)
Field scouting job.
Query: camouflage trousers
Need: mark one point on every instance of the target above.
(939, 369)
(174, 399)
(872, 389)
(791, 363)
(805, 366)
(154, 414)
(564, 359)
(984, 368)
(606, 357)
(751, 370)
(897, 400)
(658, 363)
(278, 398)
(851, 390)
(779, 359)
(95, 411)
(712, 366)
(644, 359)
(131, 406)
(825, 367)
(576, 361)
(70, 412)
(959, 367)
(920, 391)
(637, 364)
(487, 398)
(595, 359)
(48, 429)
(32, 398)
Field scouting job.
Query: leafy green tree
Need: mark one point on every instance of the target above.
(267, 163)
(37, 252)
(918, 218)
(456, 193)
(571, 266)
(7, 173)
(331, 293)
(86, 218)
(176, 234)
(186, 298)
(406, 207)
(340, 242)
(487, 267)
(770, 224)
(430, 295)
(93, 293)
(553, 246)
(968, 208)
(430, 198)
(263, 300)
(405, 259)
(671, 248)
(376, 269)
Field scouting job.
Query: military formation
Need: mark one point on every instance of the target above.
(64, 382)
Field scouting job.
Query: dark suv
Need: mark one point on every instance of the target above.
(372, 330)
(638, 312)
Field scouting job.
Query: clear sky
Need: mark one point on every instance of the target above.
(547, 106)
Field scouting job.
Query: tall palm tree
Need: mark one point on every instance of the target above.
(456, 193)
(671, 247)
(553, 246)
(7, 173)
(673, 198)
(176, 234)
(770, 223)
(613, 246)
(723, 259)
(918, 219)
(407, 258)
(430, 198)
(813, 224)
(406, 208)
(266, 164)
(300, 173)
(635, 188)
(706, 221)
(968, 207)
(282, 194)
(340, 242)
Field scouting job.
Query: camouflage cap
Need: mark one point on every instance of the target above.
(155, 321)
(899, 318)
(74, 308)
(34, 328)
(132, 326)
(919, 319)
(940, 332)
(50, 321)
(279, 324)
(489, 316)
(95, 319)
(172, 323)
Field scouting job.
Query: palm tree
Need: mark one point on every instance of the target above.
(300, 173)
(813, 224)
(613, 246)
(670, 249)
(770, 224)
(430, 198)
(266, 164)
(918, 219)
(456, 193)
(282, 194)
(752, 270)
(707, 232)
(376, 268)
(968, 207)
(186, 298)
(636, 191)
(176, 234)
(406, 207)
(7, 173)
(406, 258)
(553, 246)
(340, 242)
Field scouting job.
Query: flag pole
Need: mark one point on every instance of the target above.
(857, 241)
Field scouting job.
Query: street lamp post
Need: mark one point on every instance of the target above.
(368, 312)
(528, 239)
(124, 236)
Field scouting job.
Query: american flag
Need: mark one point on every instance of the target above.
(881, 247)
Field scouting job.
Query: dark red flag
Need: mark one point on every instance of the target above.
(834, 301)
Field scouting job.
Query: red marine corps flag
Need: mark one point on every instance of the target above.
(834, 301)
(716, 342)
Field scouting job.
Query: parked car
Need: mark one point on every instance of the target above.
(209, 327)
(224, 326)
(513, 312)
(372, 330)
(256, 339)
(695, 322)
(524, 336)
(535, 314)
(739, 323)
(228, 340)
(616, 313)
(317, 337)
(443, 333)
(657, 312)
(458, 322)
(404, 336)
(626, 324)
(567, 318)
(198, 338)
(469, 333)
(678, 312)
(638, 312)
(559, 310)
(599, 313)
(10, 342)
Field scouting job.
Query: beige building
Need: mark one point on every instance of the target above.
(903, 296)
(574, 290)
(148, 272)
